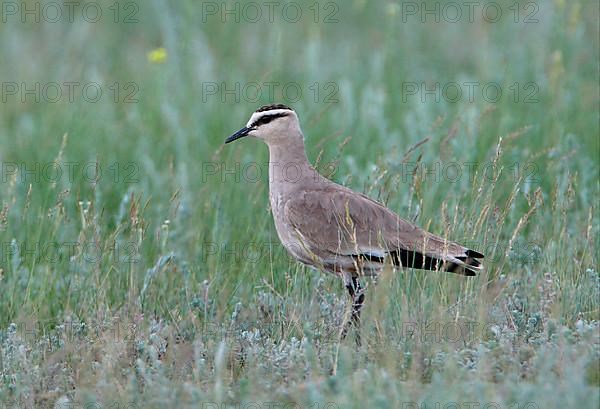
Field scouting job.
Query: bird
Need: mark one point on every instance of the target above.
(334, 229)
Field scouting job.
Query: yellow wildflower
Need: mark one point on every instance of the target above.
(158, 55)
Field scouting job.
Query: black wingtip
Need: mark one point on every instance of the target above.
(474, 254)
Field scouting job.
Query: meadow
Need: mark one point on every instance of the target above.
(139, 264)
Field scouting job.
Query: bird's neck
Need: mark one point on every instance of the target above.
(289, 167)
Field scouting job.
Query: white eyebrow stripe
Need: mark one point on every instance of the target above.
(255, 116)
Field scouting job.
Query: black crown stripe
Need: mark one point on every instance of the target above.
(273, 106)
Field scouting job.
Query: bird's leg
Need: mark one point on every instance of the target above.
(357, 296)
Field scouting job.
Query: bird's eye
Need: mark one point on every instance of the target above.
(265, 119)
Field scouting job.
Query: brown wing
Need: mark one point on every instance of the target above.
(344, 222)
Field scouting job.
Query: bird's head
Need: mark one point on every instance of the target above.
(274, 124)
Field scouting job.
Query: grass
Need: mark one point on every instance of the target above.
(149, 271)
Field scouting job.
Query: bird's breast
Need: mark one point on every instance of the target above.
(278, 210)
(286, 232)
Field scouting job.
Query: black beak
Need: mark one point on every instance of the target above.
(239, 134)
